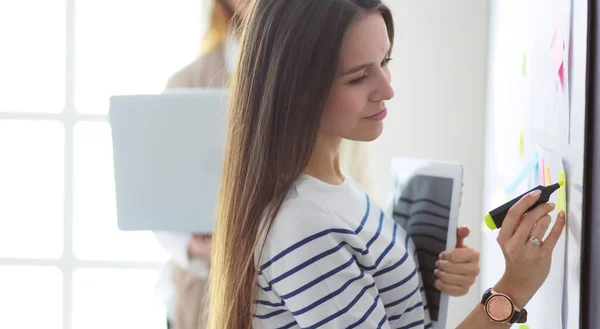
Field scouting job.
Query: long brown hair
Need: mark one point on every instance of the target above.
(287, 66)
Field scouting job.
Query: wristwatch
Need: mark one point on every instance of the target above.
(501, 309)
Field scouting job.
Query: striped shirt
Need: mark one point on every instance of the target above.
(333, 259)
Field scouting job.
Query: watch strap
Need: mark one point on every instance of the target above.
(518, 317)
(486, 295)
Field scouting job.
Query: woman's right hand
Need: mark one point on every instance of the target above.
(527, 264)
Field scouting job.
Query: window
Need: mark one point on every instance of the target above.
(63, 262)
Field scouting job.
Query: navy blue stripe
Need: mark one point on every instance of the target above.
(303, 242)
(398, 284)
(384, 253)
(330, 296)
(412, 325)
(398, 316)
(366, 315)
(407, 200)
(289, 325)
(269, 315)
(337, 248)
(377, 233)
(382, 322)
(395, 265)
(267, 303)
(307, 263)
(394, 303)
(427, 236)
(316, 236)
(319, 279)
(345, 309)
(364, 219)
(429, 326)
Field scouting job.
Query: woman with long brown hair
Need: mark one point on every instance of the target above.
(298, 243)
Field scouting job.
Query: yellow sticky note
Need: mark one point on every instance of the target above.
(562, 193)
(521, 144)
(524, 63)
(546, 176)
(523, 326)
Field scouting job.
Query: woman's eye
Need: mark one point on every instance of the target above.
(386, 61)
(359, 80)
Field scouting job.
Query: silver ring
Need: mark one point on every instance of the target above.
(535, 240)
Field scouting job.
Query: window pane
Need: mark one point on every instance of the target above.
(143, 44)
(116, 299)
(96, 235)
(32, 62)
(31, 188)
(31, 297)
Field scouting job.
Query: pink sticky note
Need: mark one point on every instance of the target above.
(561, 76)
(542, 175)
(557, 48)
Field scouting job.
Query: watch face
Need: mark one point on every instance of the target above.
(499, 308)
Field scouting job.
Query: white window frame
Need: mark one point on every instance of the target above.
(68, 263)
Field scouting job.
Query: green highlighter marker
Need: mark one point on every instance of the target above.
(494, 218)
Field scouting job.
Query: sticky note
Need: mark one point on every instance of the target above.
(546, 176)
(523, 326)
(521, 144)
(561, 76)
(562, 193)
(557, 47)
(524, 63)
(542, 172)
(557, 50)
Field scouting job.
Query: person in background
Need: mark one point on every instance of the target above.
(184, 280)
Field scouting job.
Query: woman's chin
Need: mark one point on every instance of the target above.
(368, 134)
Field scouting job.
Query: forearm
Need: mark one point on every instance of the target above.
(478, 319)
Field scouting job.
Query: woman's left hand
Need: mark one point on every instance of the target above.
(457, 268)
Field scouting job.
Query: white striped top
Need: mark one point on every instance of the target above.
(333, 259)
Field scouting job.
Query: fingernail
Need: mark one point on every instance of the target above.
(436, 272)
(442, 255)
(535, 193)
(437, 264)
(552, 205)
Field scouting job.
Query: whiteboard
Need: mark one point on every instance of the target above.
(535, 134)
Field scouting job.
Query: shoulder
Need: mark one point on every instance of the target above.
(299, 217)
(206, 71)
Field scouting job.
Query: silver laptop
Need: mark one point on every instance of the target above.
(168, 155)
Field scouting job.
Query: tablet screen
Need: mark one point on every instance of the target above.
(422, 207)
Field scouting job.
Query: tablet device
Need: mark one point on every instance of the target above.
(425, 199)
(168, 153)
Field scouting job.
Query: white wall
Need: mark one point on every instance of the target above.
(439, 74)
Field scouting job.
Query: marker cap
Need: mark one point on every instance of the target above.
(489, 222)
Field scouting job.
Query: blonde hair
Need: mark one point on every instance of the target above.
(218, 29)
